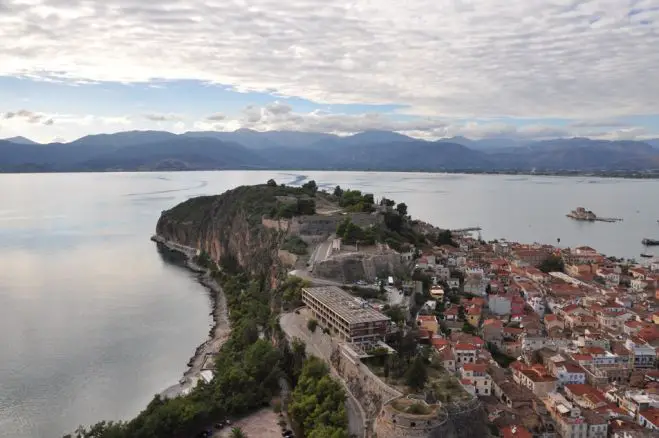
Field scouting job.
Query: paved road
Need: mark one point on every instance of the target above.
(295, 327)
(302, 273)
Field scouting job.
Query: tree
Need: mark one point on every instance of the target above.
(311, 187)
(387, 202)
(237, 432)
(272, 183)
(553, 263)
(445, 237)
(402, 209)
(461, 313)
(338, 191)
(417, 374)
(312, 324)
(395, 313)
(318, 402)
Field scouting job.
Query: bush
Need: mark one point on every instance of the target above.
(295, 245)
(311, 325)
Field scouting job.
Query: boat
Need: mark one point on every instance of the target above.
(646, 255)
(650, 242)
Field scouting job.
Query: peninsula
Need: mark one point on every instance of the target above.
(412, 330)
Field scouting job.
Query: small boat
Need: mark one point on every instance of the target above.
(646, 255)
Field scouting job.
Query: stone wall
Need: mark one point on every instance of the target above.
(359, 266)
(392, 423)
(453, 420)
(371, 392)
(276, 224)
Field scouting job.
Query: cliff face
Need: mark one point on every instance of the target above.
(226, 226)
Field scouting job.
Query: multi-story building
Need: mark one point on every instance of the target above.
(568, 373)
(569, 421)
(353, 319)
(476, 376)
(465, 353)
(642, 355)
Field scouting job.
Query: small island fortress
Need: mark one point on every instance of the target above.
(581, 214)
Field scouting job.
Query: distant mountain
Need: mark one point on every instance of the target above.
(487, 145)
(21, 140)
(127, 138)
(579, 154)
(265, 140)
(178, 154)
(654, 142)
(370, 150)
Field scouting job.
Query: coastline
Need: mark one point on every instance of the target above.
(218, 334)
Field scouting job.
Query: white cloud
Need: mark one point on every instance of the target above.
(280, 117)
(157, 117)
(443, 58)
(26, 116)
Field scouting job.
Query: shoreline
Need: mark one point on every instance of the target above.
(217, 335)
(652, 174)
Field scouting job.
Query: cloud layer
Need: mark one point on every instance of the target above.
(441, 58)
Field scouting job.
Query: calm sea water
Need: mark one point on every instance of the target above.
(94, 321)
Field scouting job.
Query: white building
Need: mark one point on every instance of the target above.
(568, 374)
(499, 304)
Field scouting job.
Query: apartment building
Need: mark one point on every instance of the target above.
(353, 319)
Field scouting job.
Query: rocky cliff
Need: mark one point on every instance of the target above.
(227, 226)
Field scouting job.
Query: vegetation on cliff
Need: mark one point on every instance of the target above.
(247, 370)
(254, 201)
(250, 365)
(318, 402)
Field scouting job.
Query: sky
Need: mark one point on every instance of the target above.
(529, 69)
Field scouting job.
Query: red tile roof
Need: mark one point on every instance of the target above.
(477, 367)
(516, 431)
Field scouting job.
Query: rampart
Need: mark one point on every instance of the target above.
(318, 224)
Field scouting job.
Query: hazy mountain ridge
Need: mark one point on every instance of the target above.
(370, 150)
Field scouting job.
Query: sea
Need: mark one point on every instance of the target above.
(94, 320)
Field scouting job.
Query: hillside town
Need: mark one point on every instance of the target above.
(552, 341)
(568, 350)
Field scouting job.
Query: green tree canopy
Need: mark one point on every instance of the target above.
(417, 375)
(318, 402)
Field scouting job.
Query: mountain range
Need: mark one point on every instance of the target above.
(370, 150)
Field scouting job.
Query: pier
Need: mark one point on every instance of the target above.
(188, 251)
(466, 230)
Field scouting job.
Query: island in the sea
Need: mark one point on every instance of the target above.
(350, 318)
(581, 214)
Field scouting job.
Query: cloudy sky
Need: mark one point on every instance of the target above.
(429, 68)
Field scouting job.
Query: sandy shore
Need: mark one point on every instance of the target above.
(218, 335)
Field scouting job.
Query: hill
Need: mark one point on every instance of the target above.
(370, 150)
(20, 140)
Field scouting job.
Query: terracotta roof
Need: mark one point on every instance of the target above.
(652, 415)
(516, 431)
(477, 367)
(582, 357)
(426, 318)
(465, 347)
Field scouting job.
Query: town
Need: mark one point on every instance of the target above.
(547, 341)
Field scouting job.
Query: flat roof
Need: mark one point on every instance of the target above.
(352, 309)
